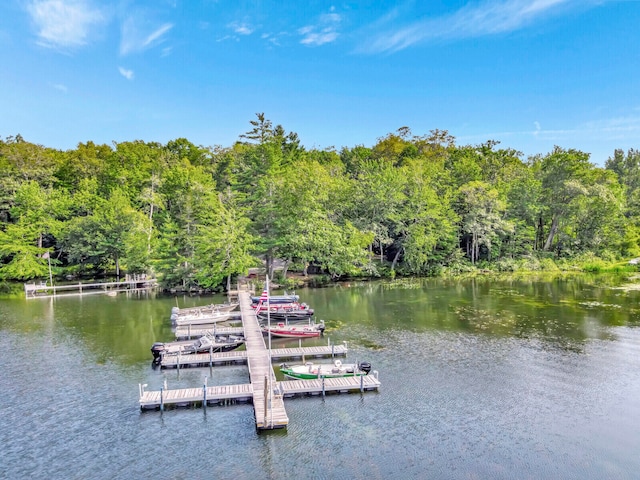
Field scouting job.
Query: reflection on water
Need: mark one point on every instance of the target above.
(516, 378)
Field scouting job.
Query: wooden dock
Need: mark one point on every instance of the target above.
(185, 397)
(241, 356)
(131, 283)
(264, 391)
(188, 332)
(205, 396)
(268, 405)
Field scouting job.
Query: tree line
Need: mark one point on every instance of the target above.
(197, 216)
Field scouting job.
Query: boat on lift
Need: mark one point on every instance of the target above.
(204, 344)
(277, 299)
(283, 330)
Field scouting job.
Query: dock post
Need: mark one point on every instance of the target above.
(210, 356)
(189, 332)
(361, 383)
(204, 394)
(332, 351)
(322, 385)
(161, 399)
(266, 398)
(178, 361)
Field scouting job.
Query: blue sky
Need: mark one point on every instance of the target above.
(529, 73)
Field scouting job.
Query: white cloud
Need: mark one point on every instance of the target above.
(133, 40)
(537, 130)
(489, 17)
(241, 28)
(327, 35)
(128, 74)
(325, 31)
(64, 24)
(60, 87)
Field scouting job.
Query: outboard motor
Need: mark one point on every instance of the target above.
(175, 310)
(156, 350)
(365, 367)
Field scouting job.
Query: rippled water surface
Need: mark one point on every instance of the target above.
(481, 379)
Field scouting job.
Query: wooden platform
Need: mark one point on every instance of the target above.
(291, 388)
(267, 405)
(130, 284)
(188, 332)
(188, 397)
(240, 356)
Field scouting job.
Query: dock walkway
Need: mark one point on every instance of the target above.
(268, 406)
(132, 283)
(186, 397)
(240, 356)
(188, 332)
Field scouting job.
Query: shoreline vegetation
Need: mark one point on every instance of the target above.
(196, 218)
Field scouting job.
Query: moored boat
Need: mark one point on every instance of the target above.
(312, 371)
(206, 343)
(212, 309)
(276, 299)
(294, 331)
(301, 308)
(203, 319)
(285, 316)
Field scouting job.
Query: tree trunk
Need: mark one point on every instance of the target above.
(150, 228)
(269, 265)
(395, 258)
(539, 234)
(305, 269)
(552, 233)
(473, 248)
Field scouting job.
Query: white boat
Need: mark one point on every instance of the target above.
(202, 319)
(203, 310)
(311, 371)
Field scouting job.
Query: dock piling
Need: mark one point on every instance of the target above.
(204, 394)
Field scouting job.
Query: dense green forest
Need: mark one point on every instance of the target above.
(410, 205)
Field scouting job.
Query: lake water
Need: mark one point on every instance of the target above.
(481, 379)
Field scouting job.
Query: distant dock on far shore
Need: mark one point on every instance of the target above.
(131, 283)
